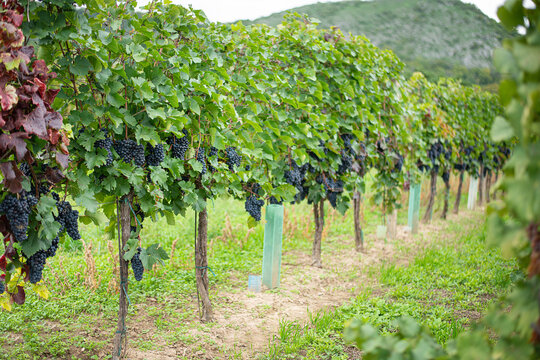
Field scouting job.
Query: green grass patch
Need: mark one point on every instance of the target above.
(445, 288)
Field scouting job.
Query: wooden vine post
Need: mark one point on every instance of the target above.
(201, 267)
(391, 229)
(318, 212)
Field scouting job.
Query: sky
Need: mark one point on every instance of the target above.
(232, 10)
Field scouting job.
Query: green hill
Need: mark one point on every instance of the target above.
(437, 37)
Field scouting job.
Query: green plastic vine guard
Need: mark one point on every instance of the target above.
(473, 192)
(273, 233)
(414, 206)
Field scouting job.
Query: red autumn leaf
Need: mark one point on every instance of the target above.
(62, 159)
(12, 176)
(41, 86)
(54, 136)
(54, 119)
(3, 262)
(10, 35)
(19, 297)
(35, 122)
(54, 176)
(8, 96)
(11, 252)
(50, 95)
(14, 142)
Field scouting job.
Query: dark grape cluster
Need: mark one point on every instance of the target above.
(247, 168)
(294, 175)
(213, 152)
(346, 163)
(137, 265)
(333, 189)
(156, 154)
(398, 164)
(302, 193)
(347, 139)
(68, 219)
(446, 177)
(179, 146)
(201, 157)
(138, 155)
(25, 169)
(323, 147)
(51, 251)
(106, 144)
(125, 149)
(255, 187)
(253, 207)
(2, 287)
(435, 151)
(36, 263)
(233, 159)
(17, 211)
(274, 201)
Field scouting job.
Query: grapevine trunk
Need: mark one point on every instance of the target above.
(123, 237)
(458, 196)
(446, 199)
(358, 233)
(488, 186)
(481, 187)
(318, 211)
(432, 193)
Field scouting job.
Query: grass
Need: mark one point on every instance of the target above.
(78, 321)
(446, 288)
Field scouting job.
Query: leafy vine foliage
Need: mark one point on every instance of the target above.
(33, 153)
(514, 222)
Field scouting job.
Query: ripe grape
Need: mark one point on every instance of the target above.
(347, 138)
(2, 287)
(138, 155)
(275, 201)
(54, 247)
(399, 163)
(346, 163)
(333, 189)
(125, 149)
(253, 207)
(233, 159)
(212, 153)
(25, 169)
(106, 144)
(17, 212)
(156, 154)
(446, 177)
(68, 219)
(137, 265)
(36, 263)
(294, 176)
(179, 146)
(202, 159)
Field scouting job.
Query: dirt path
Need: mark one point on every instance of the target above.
(245, 322)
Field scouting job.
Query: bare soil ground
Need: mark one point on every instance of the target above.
(245, 322)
